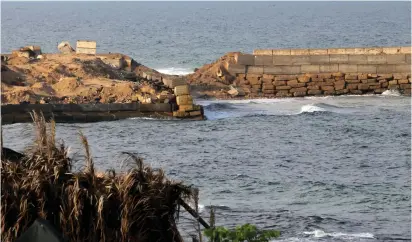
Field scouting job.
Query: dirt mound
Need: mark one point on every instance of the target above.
(69, 84)
(20, 95)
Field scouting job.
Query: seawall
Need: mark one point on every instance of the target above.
(334, 71)
(79, 113)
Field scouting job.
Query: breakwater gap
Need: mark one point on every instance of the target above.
(319, 72)
(80, 113)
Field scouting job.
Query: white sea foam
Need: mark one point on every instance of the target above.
(310, 108)
(320, 234)
(175, 71)
(391, 93)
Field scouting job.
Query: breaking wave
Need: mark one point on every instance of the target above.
(175, 71)
(391, 93)
(321, 234)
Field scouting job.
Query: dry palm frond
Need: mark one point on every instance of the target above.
(139, 205)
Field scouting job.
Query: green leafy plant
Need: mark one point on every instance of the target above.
(246, 232)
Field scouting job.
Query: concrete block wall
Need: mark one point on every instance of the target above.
(86, 47)
(374, 62)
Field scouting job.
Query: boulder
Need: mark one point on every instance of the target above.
(65, 48)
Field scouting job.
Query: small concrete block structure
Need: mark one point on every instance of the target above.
(65, 47)
(86, 47)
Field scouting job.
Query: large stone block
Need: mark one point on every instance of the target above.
(408, 58)
(393, 87)
(325, 84)
(327, 88)
(245, 59)
(279, 83)
(86, 44)
(391, 50)
(342, 82)
(352, 81)
(366, 68)
(318, 51)
(309, 68)
(329, 93)
(384, 84)
(325, 75)
(268, 87)
(299, 94)
(314, 92)
(313, 87)
(263, 60)
(282, 70)
(347, 68)
(405, 50)
(355, 92)
(393, 82)
(340, 87)
(319, 59)
(379, 90)
(267, 81)
(338, 59)
(403, 68)
(297, 84)
(384, 69)
(352, 86)
(234, 69)
(298, 89)
(283, 93)
(268, 76)
(255, 81)
(405, 86)
(262, 52)
(376, 59)
(396, 59)
(362, 76)
(292, 82)
(299, 51)
(254, 70)
(337, 51)
(373, 86)
(329, 68)
(281, 51)
(285, 77)
(341, 92)
(358, 59)
(283, 87)
(403, 81)
(303, 79)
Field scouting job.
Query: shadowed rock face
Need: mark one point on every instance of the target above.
(11, 155)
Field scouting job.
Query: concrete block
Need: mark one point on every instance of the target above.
(338, 59)
(85, 51)
(367, 68)
(292, 82)
(408, 58)
(373, 86)
(268, 76)
(405, 50)
(384, 84)
(254, 70)
(86, 44)
(319, 59)
(299, 51)
(388, 68)
(405, 86)
(263, 60)
(391, 50)
(325, 84)
(285, 77)
(329, 93)
(279, 83)
(403, 68)
(282, 69)
(396, 59)
(352, 86)
(336, 51)
(355, 51)
(351, 76)
(347, 68)
(262, 52)
(294, 85)
(393, 87)
(267, 80)
(400, 75)
(329, 68)
(393, 82)
(358, 59)
(245, 59)
(282, 60)
(236, 69)
(376, 59)
(373, 51)
(281, 51)
(362, 76)
(318, 51)
(309, 68)
(338, 83)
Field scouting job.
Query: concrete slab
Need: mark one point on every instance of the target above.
(310, 69)
(282, 69)
(348, 68)
(338, 59)
(281, 51)
(262, 52)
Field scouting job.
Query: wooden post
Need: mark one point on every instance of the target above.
(194, 214)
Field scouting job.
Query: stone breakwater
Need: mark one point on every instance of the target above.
(337, 71)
